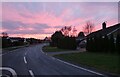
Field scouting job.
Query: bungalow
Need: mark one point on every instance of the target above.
(112, 30)
(105, 40)
(16, 39)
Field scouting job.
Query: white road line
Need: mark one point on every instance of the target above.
(25, 60)
(25, 53)
(81, 67)
(31, 73)
(14, 74)
(53, 58)
(42, 51)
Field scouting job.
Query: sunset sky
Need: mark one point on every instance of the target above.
(41, 19)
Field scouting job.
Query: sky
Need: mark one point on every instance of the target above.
(41, 19)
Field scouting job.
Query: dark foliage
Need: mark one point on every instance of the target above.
(111, 44)
(81, 34)
(6, 42)
(103, 44)
(55, 38)
(33, 41)
(63, 42)
(67, 43)
(118, 43)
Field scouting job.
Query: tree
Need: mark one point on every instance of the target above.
(81, 34)
(88, 28)
(56, 37)
(88, 44)
(66, 30)
(67, 43)
(6, 42)
(111, 44)
(4, 34)
(74, 32)
(106, 44)
(118, 43)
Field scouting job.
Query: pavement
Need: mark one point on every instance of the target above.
(32, 62)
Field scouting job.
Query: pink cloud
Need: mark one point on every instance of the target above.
(51, 19)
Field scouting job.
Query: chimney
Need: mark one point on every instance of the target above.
(104, 25)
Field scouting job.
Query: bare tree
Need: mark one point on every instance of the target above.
(4, 34)
(74, 32)
(88, 28)
(66, 30)
(69, 31)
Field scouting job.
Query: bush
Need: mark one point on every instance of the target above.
(18, 43)
(118, 43)
(103, 44)
(67, 43)
(6, 43)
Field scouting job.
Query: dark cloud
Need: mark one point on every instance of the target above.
(58, 26)
(25, 32)
(12, 27)
(40, 26)
(41, 31)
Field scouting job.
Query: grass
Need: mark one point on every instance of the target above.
(12, 48)
(53, 49)
(100, 61)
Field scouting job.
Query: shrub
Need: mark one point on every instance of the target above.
(67, 43)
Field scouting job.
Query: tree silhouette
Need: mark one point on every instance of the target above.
(118, 43)
(88, 28)
(66, 30)
(56, 37)
(81, 34)
(111, 44)
(4, 34)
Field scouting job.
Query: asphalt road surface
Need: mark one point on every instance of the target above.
(31, 61)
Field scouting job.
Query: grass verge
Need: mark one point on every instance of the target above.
(13, 48)
(100, 61)
(52, 49)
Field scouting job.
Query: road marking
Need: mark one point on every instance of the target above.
(81, 67)
(14, 74)
(42, 51)
(25, 53)
(4, 76)
(53, 58)
(25, 60)
(31, 73)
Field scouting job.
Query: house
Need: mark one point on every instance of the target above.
(112, 30)
(105, 40)
(81, 42)
(16, 39)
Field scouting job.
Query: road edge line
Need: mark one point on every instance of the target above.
(77, 66)
(80, 67)
(12, 71)
(31, 73)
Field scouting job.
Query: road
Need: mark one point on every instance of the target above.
(31, 61)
